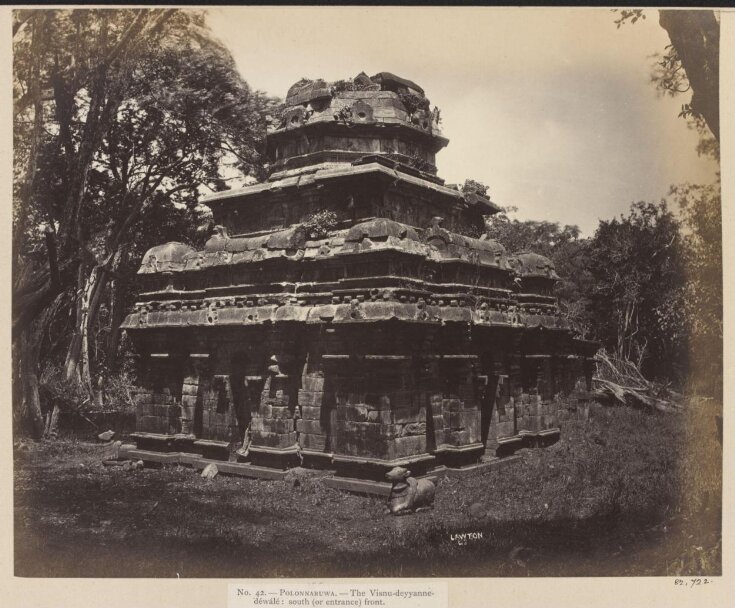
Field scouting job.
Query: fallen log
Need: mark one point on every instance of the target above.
(633, 397)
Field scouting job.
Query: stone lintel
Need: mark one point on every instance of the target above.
(396, 462)
(274, 451)
(510, 439)
(210, 443)
(459, 449)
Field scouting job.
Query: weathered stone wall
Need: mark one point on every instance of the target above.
(156, 412)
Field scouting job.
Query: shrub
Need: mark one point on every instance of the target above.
(320, 223)
(470, 185)
(413, 102)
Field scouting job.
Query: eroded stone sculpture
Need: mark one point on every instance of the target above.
(407, 494)
(387, 337)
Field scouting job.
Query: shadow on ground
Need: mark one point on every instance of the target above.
(625, 493)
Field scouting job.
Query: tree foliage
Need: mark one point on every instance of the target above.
(701, 213)
(122, 117)
(690, 62)
(647, 284)
(562, 245)
(637, 266)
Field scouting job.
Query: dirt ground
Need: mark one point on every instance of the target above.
(625, 493)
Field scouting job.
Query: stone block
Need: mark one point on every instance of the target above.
(369, 430)
(407, 446)
(189, 400)
(381, 416)
(414, 428)
(149, 424)
(274, 411)
(189, 390)
(506, 429)
(272, 425)
(278, 425)
(534, 423)
(352, 413)
(273, 440)
(312, 383)
(455, 420)
(312, 427)
(310, 398)
(409, 414)
(360, 445)
(458, 437)
(471, 423)
(144, 409)
(451, 422)
(440, 436)
(308, 441)
(311, 413)
(282, 400)
(156, 409)
(438, 421)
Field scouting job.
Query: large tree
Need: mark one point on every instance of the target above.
(119, 114)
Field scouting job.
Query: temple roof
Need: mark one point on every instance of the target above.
(326, 173)
(166, 257)
(370, 236)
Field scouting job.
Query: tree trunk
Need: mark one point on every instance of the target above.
(117, 316)
(31, 404)
(78, 364)
(695, 34)
(27, 356)
(51, 431)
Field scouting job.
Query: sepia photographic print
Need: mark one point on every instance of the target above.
(371, 294)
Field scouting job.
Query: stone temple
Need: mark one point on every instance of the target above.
(342, 317)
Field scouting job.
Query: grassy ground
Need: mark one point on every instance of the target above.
(624, 493)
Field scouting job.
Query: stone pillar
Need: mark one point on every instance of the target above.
(544, 382)
(316, 411)
(190, 393)
(272, 428)
(157, 408)
(514, 391)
